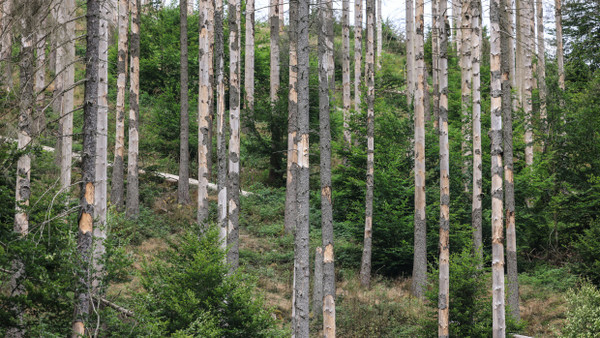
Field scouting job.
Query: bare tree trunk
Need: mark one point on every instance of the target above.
(133, 200)
(317, 305)
(183, 186)
(204, 101)
(511, 6)
(39, 119)
(476, 39)
(6, 48)
(541, 65)
(466, 74)
(116, 195)
(527, 26)
(88, 204)
(365, 267)
(346, 100)
(274, 70)
(211, 96)
(456, 26)
(498, 318)
(444, 260)
(559, 44)
(291, 214)
(410, 50)
(281, 21)
(435, 62)
(357, 54)
(249, 60)
(519, 51)
(301, 247)
(420, 242)
(221, 128)
(379, 34)
(234, 138)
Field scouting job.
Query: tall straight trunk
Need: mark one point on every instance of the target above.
(444, 260)
(88, 204)
(274, 66)
(357, 54)
(190, 9)
(116, 195)
(301, 247)
(527, 26)
(346, 100)
(435, 62)
(330, 49)
(541, 65)
(509, 185)
(476, 39)
(379, 34)
(281, 22)
(328, 272)
(204, 101)
(559, 44)
(211, 96)
(510, 8)
(365, 267)
(183, 185)
(317, 301)
(249, 60)
(233, 190)
(456, 25)
(498, 318)
(292, 149)
(133, 200)
(410, 50)
(6, 48)
(221, 127)
(466, 74)
(420, 243)
(39, 119)
(519, 51)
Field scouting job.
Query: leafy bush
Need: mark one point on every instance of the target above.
(583, 316)
(588, 250)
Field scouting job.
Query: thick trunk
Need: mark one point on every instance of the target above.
(87, 214)
(221, 127)
(541, 65)
(365, 267)
(346, 100)
(466, 74)
(410, 50)
(527, 27)
(301, 247)
(476, 39)
(317, 303)
(183, 187)
(249, 60)
(435, 62)
(233, 190)
(444, 258)
(379, 34)
(420, 242)
(559, 44)
(498, 317)
(6, 48)
(116, 195)
(327, 276)
(204, 101)
(292, 149)
(133, 201)
(357, 54)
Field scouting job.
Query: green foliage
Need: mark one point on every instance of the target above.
(547, 278)
(583, 316)
(588, 250)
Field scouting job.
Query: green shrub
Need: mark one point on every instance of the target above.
(583, 316)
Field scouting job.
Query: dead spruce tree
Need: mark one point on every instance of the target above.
(133, 195)
(183, 184)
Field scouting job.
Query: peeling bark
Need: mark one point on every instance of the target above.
(133, 199)
(221, 127)
(476, 209)
(291, 214)
(466, 75)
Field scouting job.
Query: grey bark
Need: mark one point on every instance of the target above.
(420, 221)
(317, 302)
(435, 63)
(365, 267)
(221, 128)
(274, 70)
(301, 247)
(559, 44)
(39, 119)
(346, 100)
(379, 23)
(466, 74)
(133, 200)
(292, 149)
(476, 40)
(541, 65)
(357, 54)
(527, 26)
(183, 187)
(410, 50)
(117, 188)
(249, 59)
(6, 47)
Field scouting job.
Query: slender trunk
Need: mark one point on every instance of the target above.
(221, 127)
(456, 25)
(274, 125)
(249, 60)
(301, 247)
(527, 26)
(498, 320)
(559, 44)
(317, 305)
(39, 119)
(444, 260)
(476, 218)
(410, 58)
(281, 22)
(211, 96)
(357, 54)
(204, 101)
(541, 65)
(379, 34)
(420, 242)
(88, 204)
(519, 53)
(292, 150)
(466, 75)
(435, 62)
(183, 185)
(116, 196)
(233, 189)
(6, 48)
(365, 267)
(330, 49)
(346, 100)
(274, 70)
(133, 201)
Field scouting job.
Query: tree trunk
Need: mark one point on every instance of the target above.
(527, 26)
(275, 128)
(346, 100)
(476, 39)
(444, 260)
(291, 214)
(498, 320)
(435, 63)
(301, 247)
(365, 267)
(133, 200)
(410, 50)
(420, 242)
(249, 60)
(211, 96)
(183, 186)
(39, 119)
(510, 8)
(559, 44)
(234, 138)
(221, 128)
(379, 34)
(456, 26)
(204, 101)
(541, 65)
(87, 214)
(317, 305)
(6, 48)
(357, 54)
(466, 74)
(116, 195)
(326, 258)
(281, 21)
